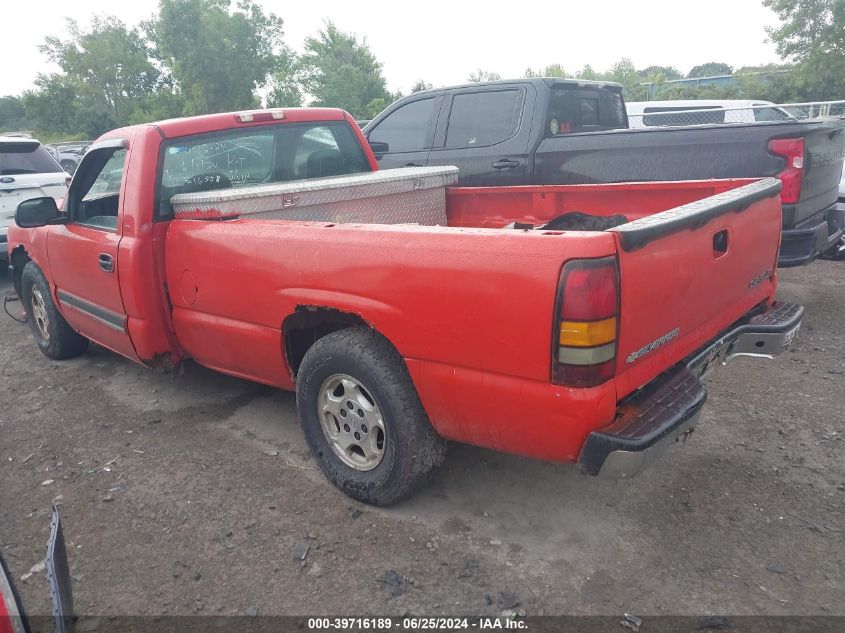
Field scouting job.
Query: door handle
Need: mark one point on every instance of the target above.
(505, 163)
(412, 165)
(106, 262)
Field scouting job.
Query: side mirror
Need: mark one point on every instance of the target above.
(37, 212)
(379, 148)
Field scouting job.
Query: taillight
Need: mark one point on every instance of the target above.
(792, 150)
(584, 348)
(259, 115)
(10, 616)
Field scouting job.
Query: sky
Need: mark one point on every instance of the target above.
(442, 42)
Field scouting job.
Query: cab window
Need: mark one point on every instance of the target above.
(94, 196)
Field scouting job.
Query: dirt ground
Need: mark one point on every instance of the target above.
(186, 494)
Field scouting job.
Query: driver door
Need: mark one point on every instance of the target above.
(83, 253)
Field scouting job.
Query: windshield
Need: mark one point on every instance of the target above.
(26, 158)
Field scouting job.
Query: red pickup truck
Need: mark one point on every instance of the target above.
(564, 322)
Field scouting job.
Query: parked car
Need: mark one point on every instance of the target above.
(27, 170)
(68, 155)
(703, 112)
(401, 312)
(555, 131)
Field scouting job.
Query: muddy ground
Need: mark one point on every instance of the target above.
(185, 494)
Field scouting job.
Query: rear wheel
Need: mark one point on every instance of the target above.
(363, 419)
(54, 337)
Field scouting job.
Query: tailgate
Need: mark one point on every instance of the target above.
(824, 149)
(688, 273)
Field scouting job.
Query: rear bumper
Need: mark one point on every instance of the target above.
(666, 410)
(800, 246)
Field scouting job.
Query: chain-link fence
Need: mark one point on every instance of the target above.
(643, 114)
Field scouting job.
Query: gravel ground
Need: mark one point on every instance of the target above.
(191, 493)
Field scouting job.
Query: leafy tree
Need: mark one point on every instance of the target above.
(421, 85)
(812, 35)
(60, 106)
(108, 65)
(587, 73)
(342, 72)
(553, 70)
(483, 75)
(623, 72)
(668, 72)
(216, 58)
(710, 69)
(377, 105)
(12, 114)
(286, 82)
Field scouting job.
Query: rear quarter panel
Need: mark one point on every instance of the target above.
(470, 310)
(670, 153)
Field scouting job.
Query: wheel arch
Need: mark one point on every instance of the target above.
(18, 259)
(308, 324)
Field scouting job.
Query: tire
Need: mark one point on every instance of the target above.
(54, 337)
(69, 166)
(362, 381)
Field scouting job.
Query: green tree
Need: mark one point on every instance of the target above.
(710, 69)
(286, 82)
(668, 72)
(217, 58)
(587, 73)
(483, 75)
(342, 72)
(12, 114)
(552, 70)
(812, 35)
(623, 72)
(421, 85)
(107, 63)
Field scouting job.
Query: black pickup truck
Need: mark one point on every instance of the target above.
(555, 131)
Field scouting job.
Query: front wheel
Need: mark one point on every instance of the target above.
(54, 337)
(363, 419)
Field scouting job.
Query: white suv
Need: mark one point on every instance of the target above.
(27, 170)
(702, 112)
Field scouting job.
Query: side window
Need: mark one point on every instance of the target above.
(107, 182)
(771, 114)
(94, 199)
(406, 129)
(483, 118)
